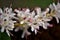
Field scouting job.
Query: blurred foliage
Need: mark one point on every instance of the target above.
(25, 3)
(4, 36)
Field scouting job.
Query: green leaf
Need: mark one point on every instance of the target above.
(4, 36)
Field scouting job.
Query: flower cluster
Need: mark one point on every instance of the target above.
(25, 19)
(6, 21)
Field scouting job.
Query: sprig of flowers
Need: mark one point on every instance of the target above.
(28, 19)
(32, 20)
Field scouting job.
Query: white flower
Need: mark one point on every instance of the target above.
(56, 8)
(43, 19)
(7, 22)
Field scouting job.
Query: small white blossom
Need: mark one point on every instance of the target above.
(7, 22)
(56, 8)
